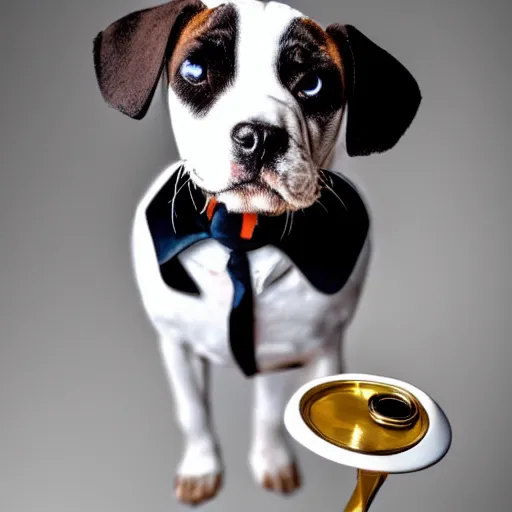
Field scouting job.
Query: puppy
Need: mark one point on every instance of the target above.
(260, 98)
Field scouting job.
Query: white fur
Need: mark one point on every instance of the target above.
(294, 322)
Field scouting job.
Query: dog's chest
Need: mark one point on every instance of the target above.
(292, 320)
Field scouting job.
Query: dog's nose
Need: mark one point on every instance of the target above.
(259, 142)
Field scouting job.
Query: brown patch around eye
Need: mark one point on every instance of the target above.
(194, 28)
(208, 41)
(325, 42)
(307, 53)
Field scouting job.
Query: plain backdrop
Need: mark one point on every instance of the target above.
(87, 421)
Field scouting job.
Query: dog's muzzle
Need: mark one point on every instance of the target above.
(257, 144)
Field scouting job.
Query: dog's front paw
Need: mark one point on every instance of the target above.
(199, 474)
(273, 465)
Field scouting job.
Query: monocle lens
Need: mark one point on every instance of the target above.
(393, 410)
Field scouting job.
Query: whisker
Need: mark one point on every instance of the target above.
(291, 223)
(173, 213)
(190, 192)
(337, 196)
(172, 201)
(323, 206)
(190, 180)
(321, 179)
(204, 207)
(330, 189)
(180, 170)
(324, 174)
(181, 188)
(285, 225)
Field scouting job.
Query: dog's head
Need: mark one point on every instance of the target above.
(257, 92)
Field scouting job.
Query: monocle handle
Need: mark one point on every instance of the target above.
(378, 425)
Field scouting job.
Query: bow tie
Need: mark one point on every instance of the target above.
(324, 244)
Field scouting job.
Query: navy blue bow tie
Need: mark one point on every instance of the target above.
(324, 244)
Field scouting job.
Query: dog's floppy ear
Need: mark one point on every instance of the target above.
(382, 95)
(129, 54)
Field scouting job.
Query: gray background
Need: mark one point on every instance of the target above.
(87, 421)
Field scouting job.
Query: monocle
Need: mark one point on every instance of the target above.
(375, 424)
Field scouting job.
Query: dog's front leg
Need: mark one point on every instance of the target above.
(271, 459)
(199, 474)
(328, 361)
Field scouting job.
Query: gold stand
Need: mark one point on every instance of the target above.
(368, 484)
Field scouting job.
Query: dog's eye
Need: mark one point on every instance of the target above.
(310, 86)
(193, 72)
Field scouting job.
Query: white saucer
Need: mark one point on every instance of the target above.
(429, 450)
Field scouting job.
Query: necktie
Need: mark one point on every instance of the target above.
(323, 242)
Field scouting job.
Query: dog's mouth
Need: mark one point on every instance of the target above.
(265, 195)
(253, 188)
(253, 197)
